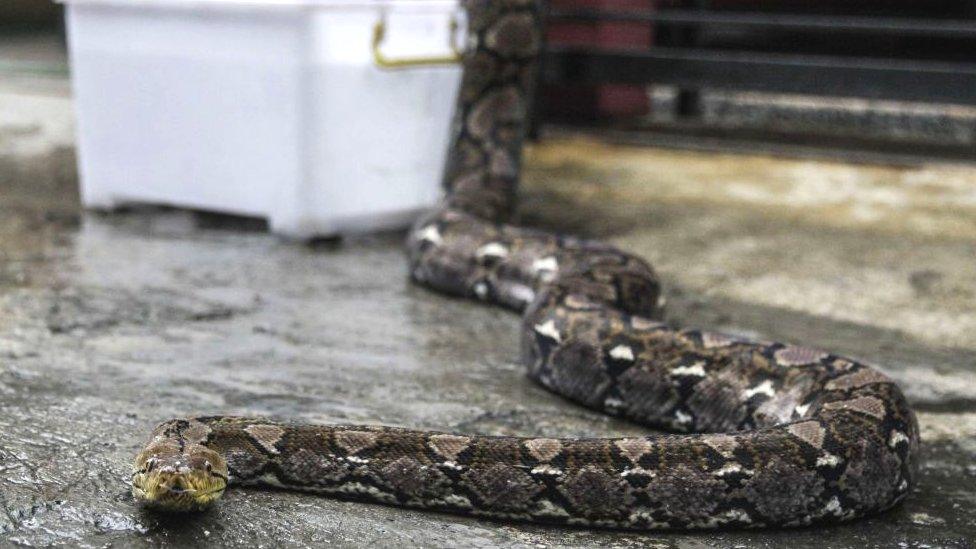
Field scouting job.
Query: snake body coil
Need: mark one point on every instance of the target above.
(783, 435)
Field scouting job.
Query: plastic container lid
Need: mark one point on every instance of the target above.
(326, 4)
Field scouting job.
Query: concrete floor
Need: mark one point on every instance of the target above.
(109, 324)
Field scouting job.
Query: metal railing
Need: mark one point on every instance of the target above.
(914, 55)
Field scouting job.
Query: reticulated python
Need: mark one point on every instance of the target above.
(784, 435)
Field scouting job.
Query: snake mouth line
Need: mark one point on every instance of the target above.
(184, 491)
(135, 474)
(166, 499)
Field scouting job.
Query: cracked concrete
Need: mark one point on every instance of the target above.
(109, 324)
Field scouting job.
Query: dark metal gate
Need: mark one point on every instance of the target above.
(895, 50)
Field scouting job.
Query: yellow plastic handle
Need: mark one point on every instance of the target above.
(381, 60)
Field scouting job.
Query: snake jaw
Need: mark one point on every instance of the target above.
(174, 479)
(176, 491)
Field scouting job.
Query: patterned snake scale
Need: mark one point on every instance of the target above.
(777, 435)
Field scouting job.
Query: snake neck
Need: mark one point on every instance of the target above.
(500, 69)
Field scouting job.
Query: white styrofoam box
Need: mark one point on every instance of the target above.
(270, 108)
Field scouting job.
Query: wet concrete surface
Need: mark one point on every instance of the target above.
(109, 324)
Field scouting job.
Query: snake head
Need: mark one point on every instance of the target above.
(173, 475)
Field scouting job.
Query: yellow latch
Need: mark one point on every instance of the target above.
(381, 60)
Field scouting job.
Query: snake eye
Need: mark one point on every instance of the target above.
(209, 467)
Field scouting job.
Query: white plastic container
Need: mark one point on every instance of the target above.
(269, 108)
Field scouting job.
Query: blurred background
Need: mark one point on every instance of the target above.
(869, 75)
(835, 77)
